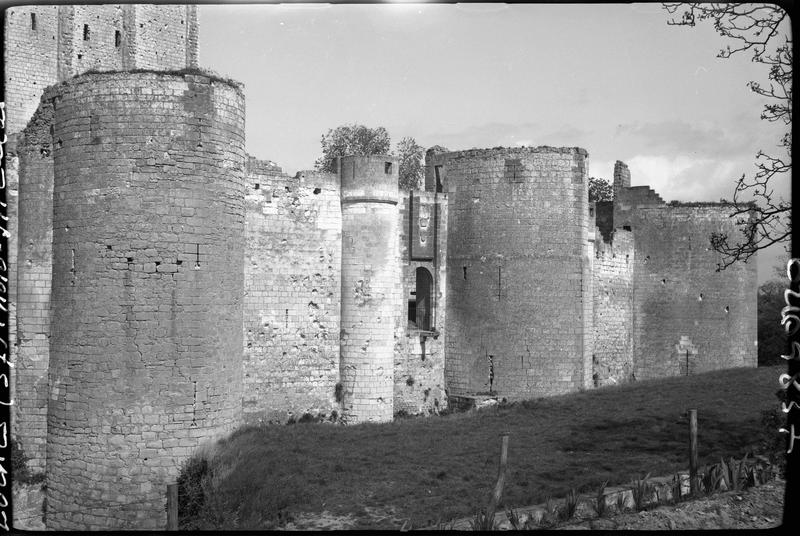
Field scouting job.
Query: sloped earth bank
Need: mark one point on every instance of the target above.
(759, 507)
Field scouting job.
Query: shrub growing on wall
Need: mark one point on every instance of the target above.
(351, 140)
(771, 337)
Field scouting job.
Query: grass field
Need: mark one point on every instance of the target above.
(442, 467)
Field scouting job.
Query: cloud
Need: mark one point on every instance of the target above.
(498, 134)
(686, 177)
(701, 138)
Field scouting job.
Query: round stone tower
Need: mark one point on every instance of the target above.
(146, 347)
(370, 286)
(519, 301)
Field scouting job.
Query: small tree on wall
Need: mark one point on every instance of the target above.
(351, 140)
(410, 155)
(600, 190)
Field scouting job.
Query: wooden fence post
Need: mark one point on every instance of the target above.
(693, 452)
(172, 506)
(501, 476)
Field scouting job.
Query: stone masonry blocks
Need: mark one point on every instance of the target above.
(35, 236)
(148, 243)
(292, 293)
(371, 287)
(517, 280)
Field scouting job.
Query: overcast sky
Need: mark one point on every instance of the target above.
(613, 79)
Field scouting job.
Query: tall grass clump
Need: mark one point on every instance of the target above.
(482, 521)
(570, 505)
(600, 500)
(642, 492)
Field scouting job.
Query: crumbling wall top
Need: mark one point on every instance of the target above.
(191, 75)
(511, 151)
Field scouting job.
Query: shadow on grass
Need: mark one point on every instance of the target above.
(442, 467)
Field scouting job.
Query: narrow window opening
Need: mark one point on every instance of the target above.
(85, 32)
(491, 374)
(80, 56)
(437, 170)
(412, 310)
(257, 186)
(117, 38)
(513, 169)
(465, 273)
(33, 21)
(387, 168)
(626, 227)
(197, 257)
(499, 280)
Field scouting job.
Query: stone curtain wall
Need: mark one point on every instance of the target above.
(30, 61)
(371, 287)
(518, 280)
(612, 285)
(92, 36)
(292, 293)
(419, 385)
(35, 225)
(30, 66)
(165, 36)
(145, 357)
(45, 44)
(681, 301)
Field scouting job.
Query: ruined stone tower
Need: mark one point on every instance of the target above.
(148, 246)
(518, 282)
(45, 45)
(370, 285)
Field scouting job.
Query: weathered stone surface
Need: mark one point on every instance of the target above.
(292, 293)
(518, 281)
(118, 358)
(371, 288)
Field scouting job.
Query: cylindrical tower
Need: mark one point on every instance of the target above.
(518, 281)
(146, 347)
(370, 286)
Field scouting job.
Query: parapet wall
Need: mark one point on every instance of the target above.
(292, 293)
(148, 242)
(688, 316)
(518, 281)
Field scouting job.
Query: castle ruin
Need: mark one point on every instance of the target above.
(166, 287)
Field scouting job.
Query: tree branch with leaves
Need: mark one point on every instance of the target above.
(763, 217)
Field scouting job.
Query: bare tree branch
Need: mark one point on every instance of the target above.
(754, 28)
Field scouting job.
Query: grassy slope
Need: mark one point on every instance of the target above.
(443, 467)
